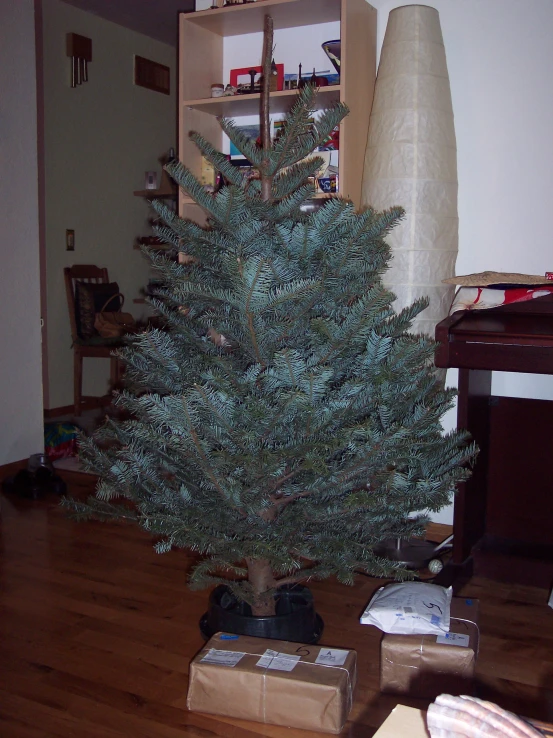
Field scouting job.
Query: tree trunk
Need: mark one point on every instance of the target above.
(265, 125)
(260, 576)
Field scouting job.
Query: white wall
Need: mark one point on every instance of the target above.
(500, 58)
(21, 432)
(100, 138)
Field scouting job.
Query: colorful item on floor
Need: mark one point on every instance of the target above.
(60, 440)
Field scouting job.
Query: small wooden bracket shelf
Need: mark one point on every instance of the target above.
(155, 194)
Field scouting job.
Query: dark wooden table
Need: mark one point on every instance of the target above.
(503, 515)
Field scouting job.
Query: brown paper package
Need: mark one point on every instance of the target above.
(311, 696)
(417, 666)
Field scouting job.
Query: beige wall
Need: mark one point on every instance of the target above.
(20, 361)
(100, 138)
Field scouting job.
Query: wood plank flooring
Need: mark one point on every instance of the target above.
(97, 632)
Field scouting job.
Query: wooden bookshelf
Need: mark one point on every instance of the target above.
(201, 62)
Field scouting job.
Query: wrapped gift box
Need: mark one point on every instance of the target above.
(276, 682)
(429, 665)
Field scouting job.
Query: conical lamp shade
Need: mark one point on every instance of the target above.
(411, 160)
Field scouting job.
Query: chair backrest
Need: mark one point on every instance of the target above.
(81, 273)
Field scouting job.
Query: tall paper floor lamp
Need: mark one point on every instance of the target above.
(411, 160)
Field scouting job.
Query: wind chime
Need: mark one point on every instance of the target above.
(79, 49)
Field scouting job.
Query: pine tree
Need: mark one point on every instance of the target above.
(285, 422)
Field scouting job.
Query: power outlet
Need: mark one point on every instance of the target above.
(69, 240)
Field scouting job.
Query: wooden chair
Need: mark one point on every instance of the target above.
(95, 347)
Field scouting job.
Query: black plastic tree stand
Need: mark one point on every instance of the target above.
(295, 619)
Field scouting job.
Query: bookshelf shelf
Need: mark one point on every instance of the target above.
(280, 102)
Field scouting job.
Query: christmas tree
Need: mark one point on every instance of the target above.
(285, 421)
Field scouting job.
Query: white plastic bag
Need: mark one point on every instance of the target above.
(410, 608)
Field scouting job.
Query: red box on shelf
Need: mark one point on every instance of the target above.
(245, 71)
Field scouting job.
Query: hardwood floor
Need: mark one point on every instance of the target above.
(97, 632)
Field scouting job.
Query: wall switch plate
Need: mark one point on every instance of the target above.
(69, 240)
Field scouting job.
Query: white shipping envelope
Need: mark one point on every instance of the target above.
(410, 608)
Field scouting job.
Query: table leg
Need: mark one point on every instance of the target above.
(473, 414)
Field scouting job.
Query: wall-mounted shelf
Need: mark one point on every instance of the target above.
(153, 194)
(153, 246)
(166, 189)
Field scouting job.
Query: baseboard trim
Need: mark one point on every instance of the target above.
(56, 412)
(88, 403)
